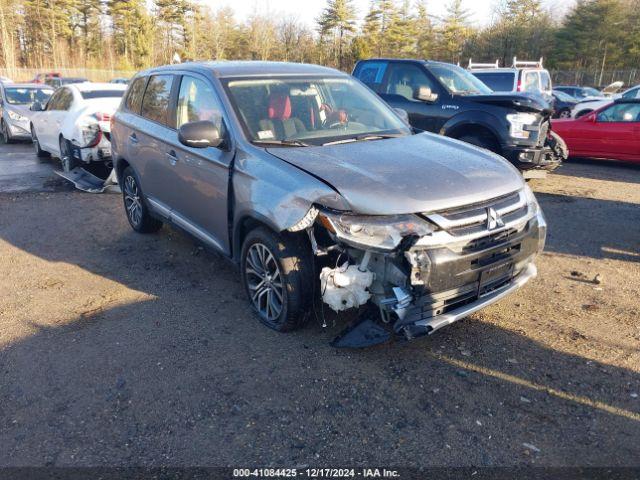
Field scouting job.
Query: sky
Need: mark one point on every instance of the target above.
(308, 10)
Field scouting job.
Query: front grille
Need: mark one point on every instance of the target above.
(474, 219)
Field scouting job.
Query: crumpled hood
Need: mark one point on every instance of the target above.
(521, 101)
(417, 173)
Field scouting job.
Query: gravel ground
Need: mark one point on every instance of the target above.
(122, 349)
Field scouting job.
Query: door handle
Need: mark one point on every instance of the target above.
(133, 138)
(173, 158)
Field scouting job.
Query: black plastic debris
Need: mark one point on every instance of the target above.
(364, 333)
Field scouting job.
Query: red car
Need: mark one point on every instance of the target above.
(610, 132)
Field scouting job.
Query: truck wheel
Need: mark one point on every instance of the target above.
(36, 144)
(135, 206)
(479, 141)
(67, 160)
(6, 134)
(564, 113)
(277, 274)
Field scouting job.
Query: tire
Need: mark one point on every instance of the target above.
(564, 113)
(67, 160)
(558, 145)
(267, 257)
(135, 206)
(6, 134)
(481, 142)
(582, 113)
(36, 144)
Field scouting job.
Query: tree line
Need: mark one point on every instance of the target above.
(133, 34)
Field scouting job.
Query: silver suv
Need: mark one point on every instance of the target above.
(317, 188)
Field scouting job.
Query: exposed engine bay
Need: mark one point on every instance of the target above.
(418, 273)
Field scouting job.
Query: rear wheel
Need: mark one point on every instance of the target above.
(36, 144)
(67, 160)
(277, 274)
(135, 206)
(6, 134)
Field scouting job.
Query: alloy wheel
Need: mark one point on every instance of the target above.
(132, 200)
(65, 156)
(565, 114)
(5, 133)
(264, 281)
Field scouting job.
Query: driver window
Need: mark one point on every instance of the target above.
(198, 102)
(405, 80)
(622, 112)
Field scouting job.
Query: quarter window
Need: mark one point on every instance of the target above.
(66, 99)
(155, 102)
(197, 102)
(134, 98)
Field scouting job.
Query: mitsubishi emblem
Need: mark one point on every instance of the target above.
(494, 220)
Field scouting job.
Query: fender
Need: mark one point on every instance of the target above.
(476, 118)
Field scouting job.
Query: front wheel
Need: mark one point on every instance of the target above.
(36, 144)
(565, 113)
(135, 206)
(6, 134)
(277, 274)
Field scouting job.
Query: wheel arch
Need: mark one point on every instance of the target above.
(244, 224)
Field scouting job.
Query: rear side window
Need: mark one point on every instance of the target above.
(155, 102)
(134, 98)
(371, 74)
(498, 81)
(102, 94)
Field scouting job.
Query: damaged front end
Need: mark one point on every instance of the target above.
(420, 272)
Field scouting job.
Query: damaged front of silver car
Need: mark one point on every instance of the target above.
(426, 243)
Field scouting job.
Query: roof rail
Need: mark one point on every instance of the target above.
(472, 65)
(519, 63)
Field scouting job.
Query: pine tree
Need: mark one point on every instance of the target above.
(424, 31)
(131, 31)
(455, 31)
(338, 19)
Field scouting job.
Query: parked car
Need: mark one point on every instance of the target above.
(588, 106)
(563, 103)
(612, 132)
(5, 80)
(43, 77)
(312, 184)
(75, 123)
(15, 102)
(580, 93)
(56, 82)
(122, 81)
(446, 99)
(522, 76)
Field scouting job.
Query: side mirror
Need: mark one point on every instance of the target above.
(592, 117)
(425, 94)
(36, 107)
(201, 134)
(402, 113)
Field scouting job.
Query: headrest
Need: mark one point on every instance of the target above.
(279, 106)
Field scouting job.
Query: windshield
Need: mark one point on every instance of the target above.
(497, 81)
(458, 81)
(310, 110)
(26, 96)
(564, 97)
(585, 92)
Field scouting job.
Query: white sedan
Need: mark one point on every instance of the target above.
(588, 106)
(74, 125)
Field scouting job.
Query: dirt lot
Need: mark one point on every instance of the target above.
(122, 349)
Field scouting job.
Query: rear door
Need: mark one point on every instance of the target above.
(152, 142)
(201, 174)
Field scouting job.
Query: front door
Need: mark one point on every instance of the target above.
(619, 130)
(403, 82)
(201, 189)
